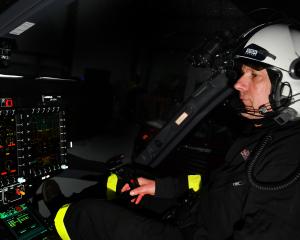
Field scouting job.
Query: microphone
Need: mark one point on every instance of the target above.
(263, 109)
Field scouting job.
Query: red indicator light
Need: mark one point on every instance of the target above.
(3, 173)
(20, 192)
(9, 102)
(18, 208)
(145, 137)
(13, 170)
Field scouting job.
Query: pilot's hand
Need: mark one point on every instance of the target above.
(147, 186)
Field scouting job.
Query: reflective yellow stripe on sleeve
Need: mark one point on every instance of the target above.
(111, 186)
(59, 222)
(194, 182)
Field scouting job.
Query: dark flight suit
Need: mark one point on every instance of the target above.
(231, 205)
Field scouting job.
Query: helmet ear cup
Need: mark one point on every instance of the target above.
(277, 87)
(285, 93)
(295, 69)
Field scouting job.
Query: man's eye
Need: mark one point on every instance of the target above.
(253, 75)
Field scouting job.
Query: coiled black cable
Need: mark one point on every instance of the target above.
(264, 185)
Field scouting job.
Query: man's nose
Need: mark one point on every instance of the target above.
(241, 84)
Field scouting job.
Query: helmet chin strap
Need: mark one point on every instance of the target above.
(288, 114)
(265, 113)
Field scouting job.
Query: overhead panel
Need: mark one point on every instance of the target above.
(14, 13)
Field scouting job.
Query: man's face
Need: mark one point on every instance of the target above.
(254, 87)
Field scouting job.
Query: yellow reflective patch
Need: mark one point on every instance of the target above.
(59, 222)
(111, 186)
(194, 182)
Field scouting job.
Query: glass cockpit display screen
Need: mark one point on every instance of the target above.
(8, 146)
(22, 223)
(45, 139)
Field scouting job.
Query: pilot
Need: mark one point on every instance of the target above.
(255, 194)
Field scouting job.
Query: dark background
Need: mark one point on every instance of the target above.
(121, 67)
(127, 58)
